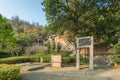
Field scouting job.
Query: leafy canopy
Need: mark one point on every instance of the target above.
(7, 42)
(84, 18)
(116, 53)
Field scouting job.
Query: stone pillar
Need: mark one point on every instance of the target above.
(56, 61)
(91, 56)
(78, 59)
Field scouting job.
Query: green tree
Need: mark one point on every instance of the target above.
(107, 22)
(24, 39)
(7, 42)
(84, 17)
(116, 53)
(70, 15)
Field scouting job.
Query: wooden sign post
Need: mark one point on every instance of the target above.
(85, 42)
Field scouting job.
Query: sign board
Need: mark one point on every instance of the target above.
(84, 42)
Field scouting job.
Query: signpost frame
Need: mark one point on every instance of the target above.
(85, 42)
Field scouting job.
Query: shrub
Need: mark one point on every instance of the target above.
(66, 53)
(83, 61)
(47, 58)
(20, 59)
(9, 72)
(3, 55)
(12, 60)
(53, 46)
(116, 53)
(35, 58)
(41, 51)
(116, 59)
(59, 47)
(67, 60)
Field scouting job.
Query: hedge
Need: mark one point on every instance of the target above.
(4, 55)
(23, 59)
(71, 60)
(47, 58)
(67, 60)
(19, 59)
(9, 72)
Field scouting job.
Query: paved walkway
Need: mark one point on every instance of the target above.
(70, 73)
(43, 71)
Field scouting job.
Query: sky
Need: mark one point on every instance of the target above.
(28, 10)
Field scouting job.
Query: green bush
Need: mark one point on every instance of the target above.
(41, 51)
(67, 60)
(116, 59)
(3, 55)
(20, 59)
(35, 58)
(47, 58)
(59, 47)
(83, 61)
(23, 59)
(13, 60)
(116, 53)
(65, 53)
(9, 72)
